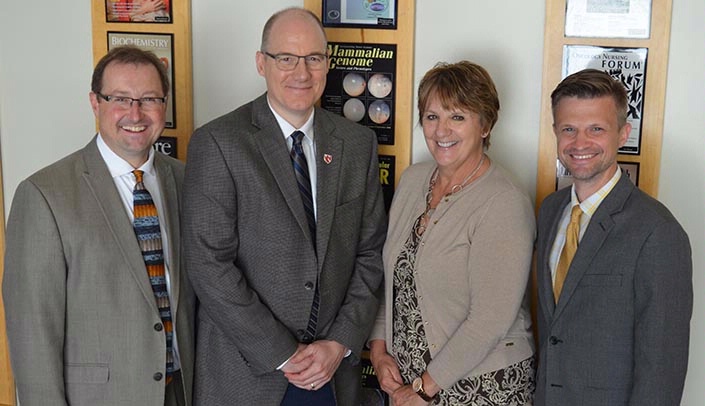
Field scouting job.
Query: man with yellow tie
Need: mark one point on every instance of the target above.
(614, 266)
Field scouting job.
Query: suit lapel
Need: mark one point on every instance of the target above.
(275, 154)
(329, 154)
(594, 237)
(170, 202)
(102, 187)
(547, 285)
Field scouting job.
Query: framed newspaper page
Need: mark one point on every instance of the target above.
(608, 18)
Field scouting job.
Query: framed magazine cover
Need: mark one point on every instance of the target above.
(138, 11)
(381, 14)
(163, 47)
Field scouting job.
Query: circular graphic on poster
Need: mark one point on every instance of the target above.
(376, 5)
(379, 112)
(380, 85)
(354, 84)
(354, 110)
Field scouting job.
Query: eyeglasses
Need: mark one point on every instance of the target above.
(125, 103)
(290, 61)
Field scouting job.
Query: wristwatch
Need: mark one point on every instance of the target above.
(417, 386)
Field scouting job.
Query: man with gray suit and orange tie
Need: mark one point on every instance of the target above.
(614, 267)
(99, 311)
(283, 227)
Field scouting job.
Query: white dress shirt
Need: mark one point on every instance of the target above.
(125, 181)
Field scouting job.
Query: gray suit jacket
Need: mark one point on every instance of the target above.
(619, 334)
(251, 260)
(81, 314)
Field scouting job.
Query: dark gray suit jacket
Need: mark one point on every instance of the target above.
(619, 334)
(250, 256)
(81, 313)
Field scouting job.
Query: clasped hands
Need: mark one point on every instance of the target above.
(313, 365)
(391, 382)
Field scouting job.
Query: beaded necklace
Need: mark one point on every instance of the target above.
(423, 222)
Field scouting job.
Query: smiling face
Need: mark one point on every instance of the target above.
(454, 136)
(588, 136)
(130, 133)
(293, 93)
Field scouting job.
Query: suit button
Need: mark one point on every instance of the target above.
(300, 333)
(308, 285)
(554, 340)
(158, 327)
(158, 376)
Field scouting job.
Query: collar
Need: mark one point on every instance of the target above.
(287, 128)
(118, 166)
(590, 205)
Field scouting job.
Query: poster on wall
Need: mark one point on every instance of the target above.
(565, 179)
(387, 173)
(360, 13)
(371, 394)
(167, 146)
(360, 85)
(608, 18)
(631, 169)
(628, 65)
(163, 47)
(138, 11)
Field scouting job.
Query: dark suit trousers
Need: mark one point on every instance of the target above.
(299, 397)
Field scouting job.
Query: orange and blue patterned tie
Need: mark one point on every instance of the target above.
(149, 237)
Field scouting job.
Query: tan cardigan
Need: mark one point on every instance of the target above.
(472, 267)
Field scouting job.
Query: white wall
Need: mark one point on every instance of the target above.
(682, 180)
(45, 76)
(46, 62)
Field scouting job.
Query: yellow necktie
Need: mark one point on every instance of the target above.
(571, 245)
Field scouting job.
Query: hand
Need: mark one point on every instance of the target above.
(292, 367)
(315, 364)
(385, 366)
(405, 396)
(147, 6)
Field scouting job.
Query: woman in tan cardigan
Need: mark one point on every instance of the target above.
(454, 328)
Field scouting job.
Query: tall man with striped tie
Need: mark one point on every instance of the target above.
(614, 267)
(99, 311)
(283, 229)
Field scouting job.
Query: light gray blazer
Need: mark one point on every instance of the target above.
(619, 334)
(81, 313)
(471, 269)
(250, 258)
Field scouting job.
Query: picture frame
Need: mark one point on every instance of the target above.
(375, 14)
(629, 66)
(162, 44)
(361, 86)
(565, 179)
(631, 169)
(140, 11)
(608, 18)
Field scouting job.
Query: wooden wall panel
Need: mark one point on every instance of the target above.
(655, 93)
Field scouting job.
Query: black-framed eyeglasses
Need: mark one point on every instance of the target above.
(125, 103)
(290, 61)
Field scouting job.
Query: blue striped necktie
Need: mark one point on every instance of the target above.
(149, 237)
(303, 180)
